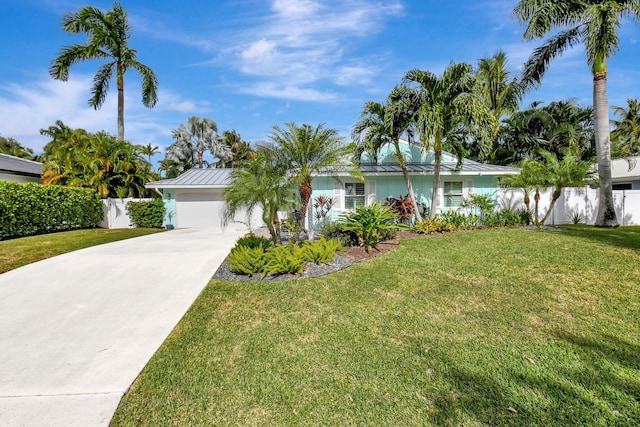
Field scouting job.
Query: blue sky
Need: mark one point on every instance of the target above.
(250, 64)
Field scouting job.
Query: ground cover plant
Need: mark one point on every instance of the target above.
(26, 250)
(487, 327)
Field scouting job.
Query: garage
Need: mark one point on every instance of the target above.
(195, 199)
(199, 208)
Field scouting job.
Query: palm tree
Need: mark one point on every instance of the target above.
(569, 172)
(306, 151)
(383, 124)
(239, 150)
(192, 140)
(107, 38)
(260, 182)
(448, 111)
(149, 150)
(500, 92)
(595, 24)
(625, 138)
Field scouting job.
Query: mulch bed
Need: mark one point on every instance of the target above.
(352, 255)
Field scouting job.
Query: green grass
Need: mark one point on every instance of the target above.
(15, 253)
(490, 327)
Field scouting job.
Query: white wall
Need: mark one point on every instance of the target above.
(115, 213)
(581, 201)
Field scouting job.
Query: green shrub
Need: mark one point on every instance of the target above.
(335, 230)
(321, 251)
(146, 214)
(369, 222)
(429, 226)
(252, 241)
(506, 218)
(30, 209)
(246, 260)
(460, 220)
(288, 259)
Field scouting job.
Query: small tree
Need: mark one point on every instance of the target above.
(260, 182)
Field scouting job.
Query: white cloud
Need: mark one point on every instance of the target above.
(289, 92)
(27, 108)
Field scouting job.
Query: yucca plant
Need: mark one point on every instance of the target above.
(369, 222)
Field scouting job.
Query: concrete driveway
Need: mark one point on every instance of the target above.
(77, 329)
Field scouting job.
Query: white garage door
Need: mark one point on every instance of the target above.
(199, 209)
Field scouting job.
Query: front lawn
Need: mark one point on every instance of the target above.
(15, 253)
(490, 327)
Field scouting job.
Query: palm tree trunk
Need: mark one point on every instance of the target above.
(536, 198)
(436, 184)
(120, 78)
(606, 210)
(305, 196)
(554, 197)
(407, 180)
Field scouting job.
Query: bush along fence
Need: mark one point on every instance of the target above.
(146, 213)
(30, 209)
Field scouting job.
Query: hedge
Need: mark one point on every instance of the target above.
(29, 209)
(148, 214)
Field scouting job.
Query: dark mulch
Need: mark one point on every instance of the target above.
(352, 255)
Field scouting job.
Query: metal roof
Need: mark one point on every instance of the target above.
(17, 166)
(196, 178)
(469, 167)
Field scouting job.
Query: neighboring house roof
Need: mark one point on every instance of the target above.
(625, 169)
(17, 166)
(196, 178)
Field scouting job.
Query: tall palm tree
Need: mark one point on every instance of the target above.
(594, 24)
(107, 38)
(306, 151)
(199, 135)
(383, 124)
(448, 111)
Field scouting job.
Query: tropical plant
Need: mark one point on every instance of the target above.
(253, 241)
(288, 259)
(497, 89)
(383, 124)
(13, 148)
(569, 172)
(305, 151)
(448, 111)
(369, 223)
(77, 158)
(483, 202)
(149, 151)
(192, 140)
(321, 251)
(322, 206)
(238, 150)
(435, 225)
(337, 230)
(261, 182)
(107, 38)
(625, 137)
(595, 24)
(247, 260)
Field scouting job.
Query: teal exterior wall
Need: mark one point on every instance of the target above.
(169, 198)
(394, 186)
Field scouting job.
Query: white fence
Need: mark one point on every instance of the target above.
(115, 213)
(582, 202)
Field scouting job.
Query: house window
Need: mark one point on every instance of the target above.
(622, 186)
(452, 194)
(353, 195)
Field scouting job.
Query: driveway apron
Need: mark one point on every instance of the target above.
(77, 329)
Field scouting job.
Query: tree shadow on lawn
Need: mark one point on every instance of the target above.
(623, 237)
(588, 388)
